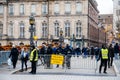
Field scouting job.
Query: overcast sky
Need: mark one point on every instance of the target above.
(105, 6)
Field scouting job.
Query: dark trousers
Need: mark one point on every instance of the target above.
(68, 59)
(14, 61)
(103, 63)
(34, 65)
(24, 62)
(110, 61)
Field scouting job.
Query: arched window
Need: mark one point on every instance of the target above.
(10, 29)
(56, 28)
(22, 30)
(67, 29)
(44, 30)
(78, 29)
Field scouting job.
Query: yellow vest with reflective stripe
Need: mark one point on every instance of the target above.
(104, 53)
(32, 55)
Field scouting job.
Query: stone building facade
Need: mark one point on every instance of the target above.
(116, 20)
(106, 21)
(73, 17)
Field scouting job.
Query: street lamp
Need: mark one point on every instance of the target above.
(61, 38)
(31, 29)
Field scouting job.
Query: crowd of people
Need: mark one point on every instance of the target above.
(104, 53)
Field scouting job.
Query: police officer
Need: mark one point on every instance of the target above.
(33, 59)
(104, 58)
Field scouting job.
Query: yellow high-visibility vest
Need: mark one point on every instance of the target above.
(104, 53)
(32, 54)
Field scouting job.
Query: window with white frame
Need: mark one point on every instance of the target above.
(56, 8)
(11, 9)
(44, 8)
(56, 25)
(10, 29)
(44, 30)
(67, 8)
(67, 29)
(21, 9)
(1, 9)
(78, 29)
(33, 9)
(78, 7)
(22, 30)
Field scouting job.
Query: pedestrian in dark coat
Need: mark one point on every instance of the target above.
(60, 51)
(92, 52)
(111, 55)
(116, 51)
(43, 53)
(48, 57)
(68, 54)
(78, 51)
(14, 56)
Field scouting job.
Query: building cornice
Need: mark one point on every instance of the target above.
(94, 4)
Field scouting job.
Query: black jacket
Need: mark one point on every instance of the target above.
(111, 52)
(14, 54)
(49, 50)
(68, 51)
(60, 50)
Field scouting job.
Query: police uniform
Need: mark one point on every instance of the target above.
(33, 60)
(104, 59)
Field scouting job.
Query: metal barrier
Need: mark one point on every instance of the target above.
(81, 63)
(4, 56)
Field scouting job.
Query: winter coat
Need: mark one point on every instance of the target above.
(111, 52)
(116, 49)
(14, 54)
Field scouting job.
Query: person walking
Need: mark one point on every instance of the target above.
(111, 55)
(14, 56)
(92, 52)
(68, 54)
(33, 59)
(116, 51)
(104, 58)
(43, 52)
(78, 51)
(60, 51)
(24, 59)
(48, 56)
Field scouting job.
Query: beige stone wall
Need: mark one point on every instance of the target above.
(73, 18)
